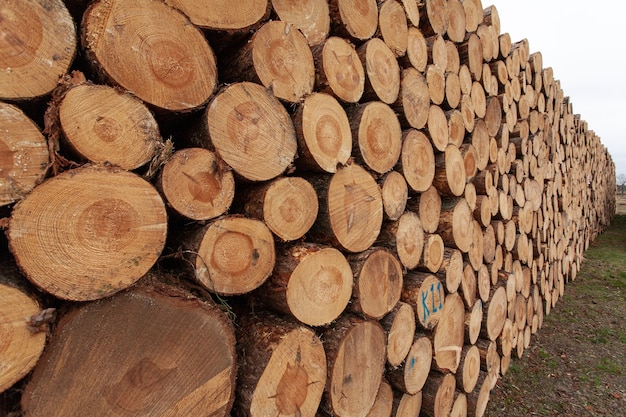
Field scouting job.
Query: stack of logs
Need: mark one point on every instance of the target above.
(313, 208)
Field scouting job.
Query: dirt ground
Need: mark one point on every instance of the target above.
(576, 364)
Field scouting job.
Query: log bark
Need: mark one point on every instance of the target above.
(154, 376)
(34, 53)
(24, 155)
(176, 70)
(88, 212)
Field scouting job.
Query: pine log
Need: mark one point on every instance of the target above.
(281, 367)
(411, 376)
(436, 19)
(230, 255)
(277, 56)
(453, 96)
(351, 210)
(473, 14)
(197, 184)
(478, 399)
(34, 53)
(449, 334)
(414, 100)
(218, 15)
(438, 395)
(417, 160)
(23, 327)
(383, 72)
(339, 70)
(176, 68)
(383, 404)
(399, 325)
(432, 257)
(424, 292)
(451, 269)
(310, 282)
(378, 136)
(469, 366)
(469, 285)
(287, 205)
(406, 405)
(455, 224)
(377, 282)
(103, 125)
(24, 155)
(60, 234)
(312, 18)
(496, 309)
(395, 194)
(355, 351)
(450, 174)
(155, 376)
(471, 54)
(459, 407)
(457, 21)
(473, 322)
(417, 51)
(323, 133)
(437, 127)
(354, 19)
(428, 207)
(454, 61)
(405, 237)
(250, 130)
(456, 126)
(393, 26)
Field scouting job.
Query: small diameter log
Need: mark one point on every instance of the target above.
(478, 399)
(412, 374)
(323, 134)
(383, 404)
(417, 160)
(406, 237)
(339, 70)
(449, 334)
(455, 224)
(355, 351)
(312, 18)
(378, 136)
(34, 53)
(414, 100)
(101, 124)
(231, 254)
(406, 405)
(469, 368)
(175, 70)
(355, 19)
(473, 322)
(438, 395)
(23, 339)
(456, 24)
(424, 292)
(428, 207)
(24, 156)
(218, 15)
(468, 285)
(251, 131)
(155, 376)
(60, 233)
(287, 205)
(277, 56)
(382, 69)
(459, 407)
(456, 128)
(281, 366)
(399, 325)
(437, 126)
(451, 269)
(310, 282)
(351, 209)
(496, 308)
(377, 282)
(450, 175)
(436, 19)
(197, 184)
(417, 50)
(395, 194)
(433, 253)
(393, 26)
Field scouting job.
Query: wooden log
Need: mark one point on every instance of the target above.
(88, 212)
(154, 376)
(383, 404)
(175, 71)
(437, 53)
(35, 53)
(323, 134)
(378, 136)
(450, 175)
(471, 54)
(477, 400)
(424, 292)
(417, 160)
(382, 69)
(278, 57)
(454, 224)
(355, 352)
(356, 20)
(399, 325)
(457, 21)
(281, 366)
(417, 51)
(468, 285)
(469, 368)
(436, 19)
(216, 15)
(406, 405)
(433, 253)
(405, 237)
(310, 282)
(395, 194)
(437, 126)
(377, 282)
(196, 184)
(473, 14)
(473, 322)
(351, 212)
(451, 269)
(393, 26)
(453, 93)
(436, 80)
(496, 309)
(287, 205)
(24, 155)
(449, 334)
(411, 376)
(339, 70)
(414, 101)
(438, 395)
(459, 406)
(311, 18)
(250, 130)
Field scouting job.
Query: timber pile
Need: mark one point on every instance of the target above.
(342, 208)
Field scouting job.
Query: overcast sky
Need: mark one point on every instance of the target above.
(583, 42)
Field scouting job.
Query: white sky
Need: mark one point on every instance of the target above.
(583, 43)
